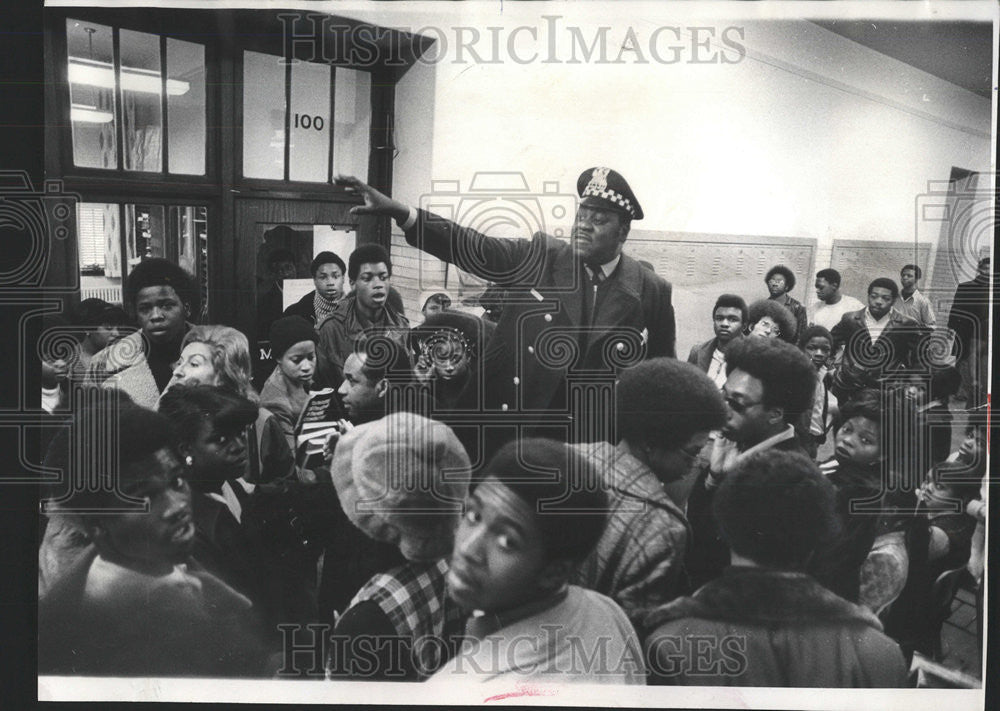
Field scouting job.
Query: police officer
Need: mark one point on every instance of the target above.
(575, 309)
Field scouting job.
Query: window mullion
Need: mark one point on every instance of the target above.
(333, 99)
(288, 115)
(119, 99)
(164, 134)
(123, 248)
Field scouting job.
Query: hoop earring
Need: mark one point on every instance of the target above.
(189, 460)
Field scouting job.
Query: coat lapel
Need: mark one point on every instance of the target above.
(620, 300)
(567, 270)
(861, 327)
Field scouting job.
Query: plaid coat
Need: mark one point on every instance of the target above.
(639, 560)
(413, 598)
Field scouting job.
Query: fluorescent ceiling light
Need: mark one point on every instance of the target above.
(100, 74)
(88, 114)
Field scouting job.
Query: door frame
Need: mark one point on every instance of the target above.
(238, 296)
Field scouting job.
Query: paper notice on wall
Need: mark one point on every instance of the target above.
(338, 240)
(294, 289)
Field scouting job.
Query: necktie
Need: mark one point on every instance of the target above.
(596, 275)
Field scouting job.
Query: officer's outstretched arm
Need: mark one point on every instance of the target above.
(375, 202)
(505, 261)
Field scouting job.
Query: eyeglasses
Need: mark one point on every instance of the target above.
(768, 328)
(738, 406)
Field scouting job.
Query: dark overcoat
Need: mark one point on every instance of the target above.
(541, 338)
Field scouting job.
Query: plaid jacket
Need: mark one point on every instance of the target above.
(638, 561)
(413, 597)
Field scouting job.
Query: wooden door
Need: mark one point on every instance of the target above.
(275, 240)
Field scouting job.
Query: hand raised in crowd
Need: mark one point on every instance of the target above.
(375, 202)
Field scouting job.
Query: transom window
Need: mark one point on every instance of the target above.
(304, 121)
(137, 100)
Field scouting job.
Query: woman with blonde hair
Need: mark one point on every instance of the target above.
(220, 355)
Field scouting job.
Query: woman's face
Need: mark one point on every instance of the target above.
(195, 366)
(298, 364)
(972, 447)
(104, 335)
(446, 354)
(217, 455)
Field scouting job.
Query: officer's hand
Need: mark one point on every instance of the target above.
(375, 202)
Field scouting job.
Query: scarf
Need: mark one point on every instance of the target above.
(322, 308)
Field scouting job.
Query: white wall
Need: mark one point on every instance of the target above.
(809, 135)
(797, 149)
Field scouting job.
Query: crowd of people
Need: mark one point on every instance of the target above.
(542, 492)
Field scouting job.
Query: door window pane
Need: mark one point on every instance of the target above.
(263, 116)
(185, 107)
(141, 83)
(189, 246)
(177, 233)
(309, 147)
(352, 120)
(145, 233)
(92, 94)
(283, 255)
(99, 240)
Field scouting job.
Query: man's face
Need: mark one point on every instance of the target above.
(498, 555)
(598, 235)
(54, 372)
(372, 285)
(164, 534)
(907, 279)
(818, 350)
(857, 441)
(218, 455)
(298, 364)
(777, 284)
(728, 322)
(983, 270)
(160, 313)
(282, 269)
(671, 465)
(748, 421)
(361, 397)
(329, 281)
(880, 300)
(825, 291)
